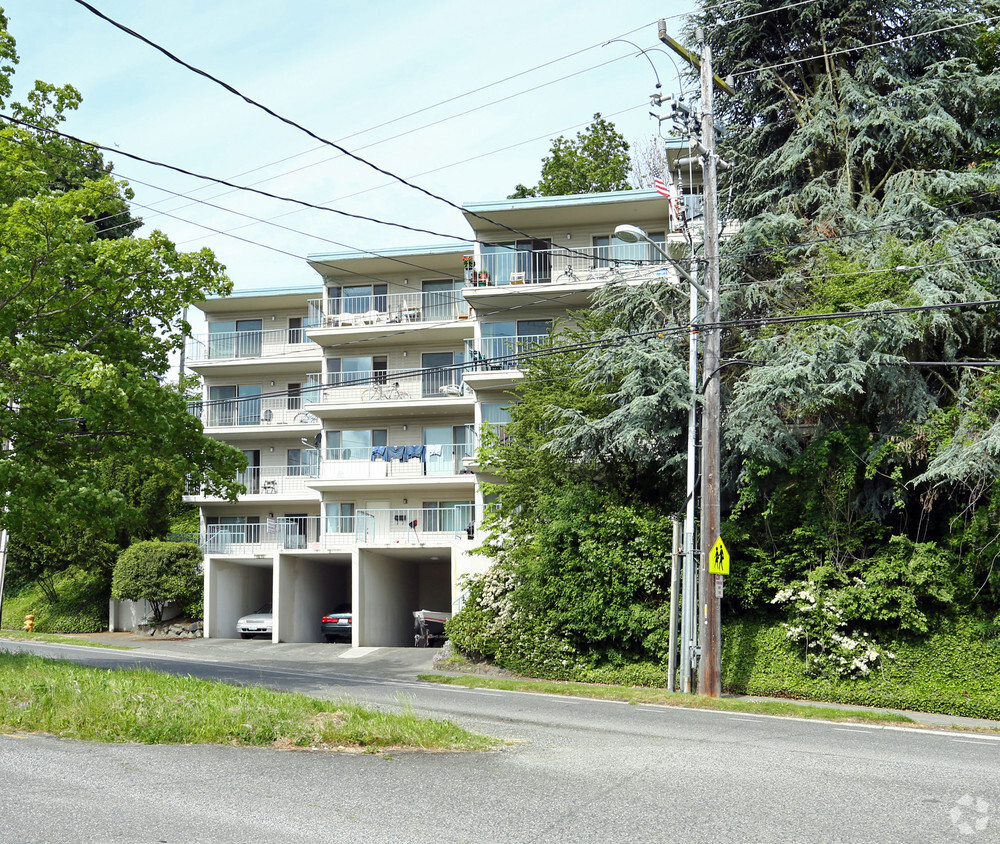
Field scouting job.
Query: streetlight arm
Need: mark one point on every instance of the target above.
(633, 234)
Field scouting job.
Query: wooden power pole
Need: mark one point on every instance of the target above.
(710, 632)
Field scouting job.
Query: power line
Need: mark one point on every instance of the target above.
(185, 172)
(896, 40)
(300, 127)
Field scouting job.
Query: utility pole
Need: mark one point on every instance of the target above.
(710, 666)
(708, 622)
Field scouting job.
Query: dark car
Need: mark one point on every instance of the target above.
(338, 624)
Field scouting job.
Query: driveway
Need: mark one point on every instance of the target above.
(390, 663)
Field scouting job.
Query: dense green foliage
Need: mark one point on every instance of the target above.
(159, 573)
(88, 320)
(80, 606)
(861, 455)
(952, 670)
(596, 160)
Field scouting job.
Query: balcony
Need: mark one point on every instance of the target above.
(379, 390)
(387, 309)
(400, 463)
(490, 354)
(264, 481)
(254, 411)
(248, 345)
(513, 267)
(415, 526)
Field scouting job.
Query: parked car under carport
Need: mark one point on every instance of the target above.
(259, 623)
(338, 624)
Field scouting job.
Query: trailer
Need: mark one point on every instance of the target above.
(428, 627)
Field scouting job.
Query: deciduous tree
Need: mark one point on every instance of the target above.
(596, 160)
(89, 315)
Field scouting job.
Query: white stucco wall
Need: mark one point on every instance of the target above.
(305, 590)
(233, 589)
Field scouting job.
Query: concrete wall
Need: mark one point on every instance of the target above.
(233, 589)
(385, 591)
(463, 563)
(305, 590)
(125, 616)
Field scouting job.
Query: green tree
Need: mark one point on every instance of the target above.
(88, 320)
(595, 161)
(859, 182)
(159, 573)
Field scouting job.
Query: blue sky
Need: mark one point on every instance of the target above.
(352, 73)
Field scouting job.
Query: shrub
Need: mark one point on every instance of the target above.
(80, 607)
(160, 573)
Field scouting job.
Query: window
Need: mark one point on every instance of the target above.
(234, 404)
(354, 445)
(443, 300)
(250, 477)
(445, 449)
(296, 333)
(294, 396)
(223, 530)
(239, 338)
(357, 371)
(340, 518)
(502, 342)
(357, 298)
(440, 371)
(303, 462)
(447, 516)
(609, 250)
(531, 257)
(496, 417)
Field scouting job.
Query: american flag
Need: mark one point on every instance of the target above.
(665, 187)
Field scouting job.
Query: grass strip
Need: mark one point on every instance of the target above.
(663, 698)
(57, 639)
(71, 701)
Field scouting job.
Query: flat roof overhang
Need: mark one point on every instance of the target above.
(557, 212)
(416, 261)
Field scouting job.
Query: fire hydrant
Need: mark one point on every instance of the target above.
(29, 623)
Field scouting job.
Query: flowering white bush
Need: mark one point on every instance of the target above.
(818, 621)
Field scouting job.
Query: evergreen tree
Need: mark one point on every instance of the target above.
(861, 136)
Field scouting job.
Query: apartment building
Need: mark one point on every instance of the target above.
(360, 403)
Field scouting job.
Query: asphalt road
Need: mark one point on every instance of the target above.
(576, 770)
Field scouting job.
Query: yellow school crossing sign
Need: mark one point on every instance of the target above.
(718, 559)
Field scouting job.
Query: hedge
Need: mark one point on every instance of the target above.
(954, 670)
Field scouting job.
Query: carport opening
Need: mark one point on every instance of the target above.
(391, 588)
(309, 588)
(235, 588)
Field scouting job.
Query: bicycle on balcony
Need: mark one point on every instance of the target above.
(384, 391)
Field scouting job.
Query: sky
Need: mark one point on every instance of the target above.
(462, 104)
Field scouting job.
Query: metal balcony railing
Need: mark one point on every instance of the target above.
(235, 345)
(499, 353)
(281, 410)
(375, 386)
(403, 526)
(388, 309)
(560, 265)
(276, 480)
(401, 461)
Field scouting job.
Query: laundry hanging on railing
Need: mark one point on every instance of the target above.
(402, 453)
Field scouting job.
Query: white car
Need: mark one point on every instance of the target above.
(258, 623)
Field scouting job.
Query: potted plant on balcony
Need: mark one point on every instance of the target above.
(469, 268)
(482, 278)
